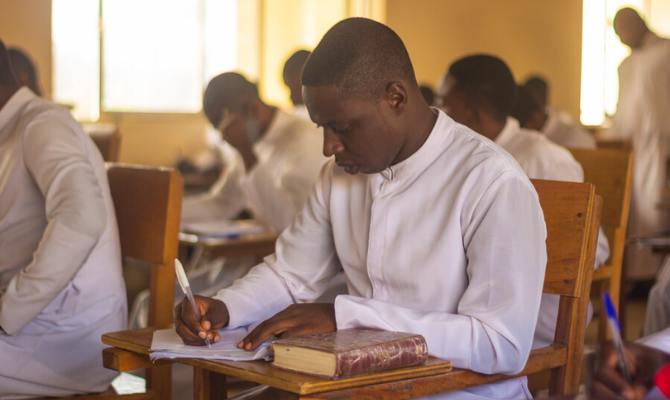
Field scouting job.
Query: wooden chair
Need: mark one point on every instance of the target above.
(148, 210)
(610, 170)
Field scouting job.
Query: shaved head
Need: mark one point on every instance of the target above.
(630, 27)
(229, 90)
(361, 57)
(487, 82)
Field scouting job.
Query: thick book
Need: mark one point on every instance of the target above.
(349, 352)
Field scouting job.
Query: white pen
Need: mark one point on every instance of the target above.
(615, 329)
(186, 287)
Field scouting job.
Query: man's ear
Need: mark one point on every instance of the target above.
(396, 95)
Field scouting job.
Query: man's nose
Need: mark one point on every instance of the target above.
(331, 145)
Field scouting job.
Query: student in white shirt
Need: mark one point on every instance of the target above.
(479, 91)
(438, 230)
(61, 285)
(275, 161)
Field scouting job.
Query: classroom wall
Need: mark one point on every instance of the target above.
(27, 24)
(530, 35)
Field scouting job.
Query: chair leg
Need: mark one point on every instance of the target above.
(209, 385)
(159, 380)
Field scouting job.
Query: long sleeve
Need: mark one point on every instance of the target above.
(76, 217)
(492, 330)
(300, 270)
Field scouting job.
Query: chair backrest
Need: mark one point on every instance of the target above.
(106, 137)
(572, 215)
(611, 171)
(148, 210)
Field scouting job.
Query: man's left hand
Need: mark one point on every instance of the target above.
(295, 320)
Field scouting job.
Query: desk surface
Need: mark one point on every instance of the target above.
(139, 341)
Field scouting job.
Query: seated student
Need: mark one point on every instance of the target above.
(438, 230)
(291, 76)
(645, 358)
(555, 126)
(61, 285)
(479, 92)
(275, 162)
(24, 69)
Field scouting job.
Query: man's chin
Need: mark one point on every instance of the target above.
(352, 169)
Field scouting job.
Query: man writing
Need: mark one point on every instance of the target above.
(438, 230)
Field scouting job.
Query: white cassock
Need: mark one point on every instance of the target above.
(562, 129)
(449, 243)
(60, 260)
(541, 158)
(289, 158)
(643, 117)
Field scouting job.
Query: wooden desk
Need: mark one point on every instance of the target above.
(253, 244)
(209, 382)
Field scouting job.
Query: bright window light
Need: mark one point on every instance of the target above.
(602, 52)
(157, 55)
(76, 56)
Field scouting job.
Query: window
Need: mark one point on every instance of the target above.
(145, 55)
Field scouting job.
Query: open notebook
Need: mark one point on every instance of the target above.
(167, 344)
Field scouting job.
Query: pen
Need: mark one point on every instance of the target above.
(615, 328)
(186, 287)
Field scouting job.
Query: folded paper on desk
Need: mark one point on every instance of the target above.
(223, 228)
(167, 344)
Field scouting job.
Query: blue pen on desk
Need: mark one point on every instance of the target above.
(615, 328)
(186, 287)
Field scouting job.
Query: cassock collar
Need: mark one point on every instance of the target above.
(508, 132)
(14, 104)
(427, 153)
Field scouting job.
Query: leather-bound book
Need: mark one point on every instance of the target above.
(349, 352)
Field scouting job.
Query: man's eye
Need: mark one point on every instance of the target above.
(342, 129)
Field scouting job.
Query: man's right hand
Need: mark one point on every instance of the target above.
(214, 317)
(643, 362)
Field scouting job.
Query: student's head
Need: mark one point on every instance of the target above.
(359, 85)
(538, 88)
(630, 27)
(232, 102)
(291, 74)
(527, 111)
(478, 91)
(24, 69)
